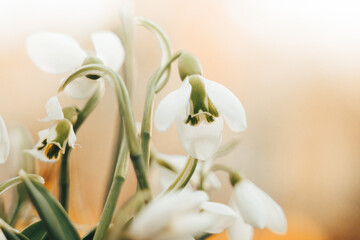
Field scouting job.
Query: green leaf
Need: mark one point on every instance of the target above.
(9, 232)
(56, 220)
(17, 180)
(35, 231)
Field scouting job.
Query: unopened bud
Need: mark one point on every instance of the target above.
(188, 65)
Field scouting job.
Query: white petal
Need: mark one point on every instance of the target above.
(171, 106)
(241, 230)
(53, 109)
(250, 204)
(39, 155)
(227, 104)
(220, 215)
(200, 141)
(4, 142)
(82, 88)
(276, 219)
(162, 210)
(43, 134)
(54, 52)
(72, 137)
(109, 48)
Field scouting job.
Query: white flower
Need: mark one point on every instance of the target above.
(173, 216)
(53, 140)
(198, 107)
(4, 142)
(220, 216)
(240, 229)
(58, 53)
(257, 208)
(178, 162)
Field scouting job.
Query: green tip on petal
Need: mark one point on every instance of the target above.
(188, 65)
(235, 178)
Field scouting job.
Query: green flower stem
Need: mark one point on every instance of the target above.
(126, 113)
(110, 204)
(184, 177)
(64, 178)
(149, 105)
(164, 44)
(233, 175)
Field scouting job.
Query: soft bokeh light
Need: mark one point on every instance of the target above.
(293, 64)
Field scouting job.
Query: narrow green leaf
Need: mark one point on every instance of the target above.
(35, 231)
(56, 220)
(9, 232)
(17, 180)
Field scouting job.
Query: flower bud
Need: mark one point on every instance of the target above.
(188, 65)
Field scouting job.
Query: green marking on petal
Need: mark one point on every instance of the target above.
(53, 152)
(71, 113)
(63, 128)
(201, 107)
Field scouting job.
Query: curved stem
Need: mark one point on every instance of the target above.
(126, 113)
(234, 176)
(64, 176)
(148, 109)
(184, 177)
(164, 44)
(118, 180)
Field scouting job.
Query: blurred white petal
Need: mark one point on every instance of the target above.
(276, 219)
(171, 106)
(221, 216)
(257, 208)
(54, 52)
(82, 88)
(162, 211)
(53, 109)
(201, 141)
(250, 204)
(39, 155)
(227, 104)
(109, 49)
(4, 142)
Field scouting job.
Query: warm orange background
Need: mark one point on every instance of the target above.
(293, 64)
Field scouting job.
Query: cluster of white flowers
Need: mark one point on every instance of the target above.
(181, 211)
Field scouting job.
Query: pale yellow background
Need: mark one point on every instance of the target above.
(295, 65)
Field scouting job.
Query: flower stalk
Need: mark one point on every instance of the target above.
(125, 111)
(149, 107)
(114, 192)
(64, 177)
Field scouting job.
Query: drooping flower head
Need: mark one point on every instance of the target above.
(53, 140)
(57, 53)
(257, 208)
(198, 107)
(4, 142)
(180, 215)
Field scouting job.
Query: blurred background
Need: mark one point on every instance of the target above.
(294, 64)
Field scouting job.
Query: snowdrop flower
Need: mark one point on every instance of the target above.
(4, 142)
(257, 208)
(173, 216)
(198, 107)
(53, 140)
(220, 216)
(240, 229)
(178, 162)
(57, 53)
